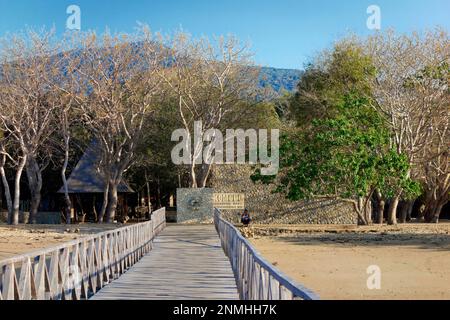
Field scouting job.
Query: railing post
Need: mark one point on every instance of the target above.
(255, 277)
(78, 269)
(10, 283)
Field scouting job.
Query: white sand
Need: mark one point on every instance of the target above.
(414, 261)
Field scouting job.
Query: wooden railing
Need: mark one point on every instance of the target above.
(256, 278)
(159, 220)
(78, 269)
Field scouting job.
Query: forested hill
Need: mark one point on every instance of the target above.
(275, 78)
(280, 79)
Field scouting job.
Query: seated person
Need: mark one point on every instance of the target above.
(245, 218)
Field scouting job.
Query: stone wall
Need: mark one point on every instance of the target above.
(195, 206)
(268, 207)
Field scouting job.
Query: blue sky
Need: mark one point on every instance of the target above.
(283, 33)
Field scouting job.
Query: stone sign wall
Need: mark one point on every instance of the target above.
(195, 205)
(229, 201)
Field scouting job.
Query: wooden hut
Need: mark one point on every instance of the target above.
(86, 188)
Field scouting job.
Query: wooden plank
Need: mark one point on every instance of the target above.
(187, 262)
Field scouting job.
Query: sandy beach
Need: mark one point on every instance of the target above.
(28, 238)
(414, 259)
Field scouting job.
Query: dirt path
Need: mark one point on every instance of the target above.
(414, 260)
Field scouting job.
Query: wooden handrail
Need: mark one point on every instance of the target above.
(256, 278)
(78, 269)
(159, 220)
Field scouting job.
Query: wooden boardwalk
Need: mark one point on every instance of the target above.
(187, 262)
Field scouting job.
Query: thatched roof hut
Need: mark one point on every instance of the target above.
(86, 178)
(87, 186)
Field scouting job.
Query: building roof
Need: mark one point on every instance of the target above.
(86, 178)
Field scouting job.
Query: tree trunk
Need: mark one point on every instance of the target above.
(7, 191)
(404, 207)
(205, 171)
(380, 207)
(360, 209)
(368, 210)
(94, 209)
(437, 212)
(68, 203)
(13, 219)
(429, 205)
(159, 193)
(112, 202)
(34, 207)
(101, 216)
(147, 184)
(392, 213)
(68, 208)
(406, 211)
(149, 202)
(430, 210)
(434, 206)
(410, 210)
(34, 175)
(439, 209)
(193, 176)
(421, 213)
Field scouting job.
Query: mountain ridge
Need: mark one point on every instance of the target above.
(280, 79)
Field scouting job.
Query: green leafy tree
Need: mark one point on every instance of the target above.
(346, 157)
(343, 70)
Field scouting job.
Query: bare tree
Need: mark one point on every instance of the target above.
(67, 88)
(118, 81)
(434, 162)
(208, 79)
(3, 160)
(65, 130)
(27, 106)
(411, 110)
(65, 119)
